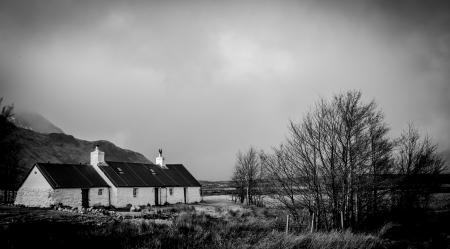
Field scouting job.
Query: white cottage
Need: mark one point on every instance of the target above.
(105, 183)
(69, 184)
(142, 184)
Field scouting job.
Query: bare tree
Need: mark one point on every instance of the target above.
(247, 174)
(329, 161)
(417, 160)
(286, 182)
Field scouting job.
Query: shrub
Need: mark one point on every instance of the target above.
(332, 240)
(189, 229)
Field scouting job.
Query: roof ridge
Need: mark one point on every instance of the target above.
(130, 162)
(70, 164)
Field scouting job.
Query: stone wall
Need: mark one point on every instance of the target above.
(34, 197)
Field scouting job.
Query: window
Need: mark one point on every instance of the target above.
(171, 191)
(100, 191)
(135, 192)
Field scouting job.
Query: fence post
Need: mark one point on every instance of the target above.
(287, 224)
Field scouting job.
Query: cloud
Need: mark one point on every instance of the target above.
(203, 79)
(242, 56)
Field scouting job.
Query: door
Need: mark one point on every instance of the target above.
(156, 196)
(85, 198)
(185, 195)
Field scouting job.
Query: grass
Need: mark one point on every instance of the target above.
(253, 228)
(201, 226)
(329, 240)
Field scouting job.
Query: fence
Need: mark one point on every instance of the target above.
(7, 196)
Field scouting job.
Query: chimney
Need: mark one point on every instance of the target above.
(160, 159)
(97, 156)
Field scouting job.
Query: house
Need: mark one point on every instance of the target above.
(105, 183)
(142, 184)
(70, 184)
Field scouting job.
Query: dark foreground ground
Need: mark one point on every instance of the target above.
(198, 226)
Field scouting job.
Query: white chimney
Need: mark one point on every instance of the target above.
(97, 156)
(160, 159)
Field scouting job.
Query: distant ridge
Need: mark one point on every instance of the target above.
(63, 148)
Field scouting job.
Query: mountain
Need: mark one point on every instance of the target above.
(63, 148)
(35, 122)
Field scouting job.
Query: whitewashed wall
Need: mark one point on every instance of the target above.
(144, 196)
(113, 196)
(72, 197)
(177, 195)
(35, 191)
(193, 194)
(98, 200)
(67, 197)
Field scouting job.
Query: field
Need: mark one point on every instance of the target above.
(216, 223)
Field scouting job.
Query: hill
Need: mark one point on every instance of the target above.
(63, 148)
(35, 122)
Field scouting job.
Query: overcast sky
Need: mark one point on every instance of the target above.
(204, 79)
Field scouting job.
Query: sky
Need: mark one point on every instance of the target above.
(204, 79)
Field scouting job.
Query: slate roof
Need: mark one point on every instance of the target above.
(71, 175)
(123, 174)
